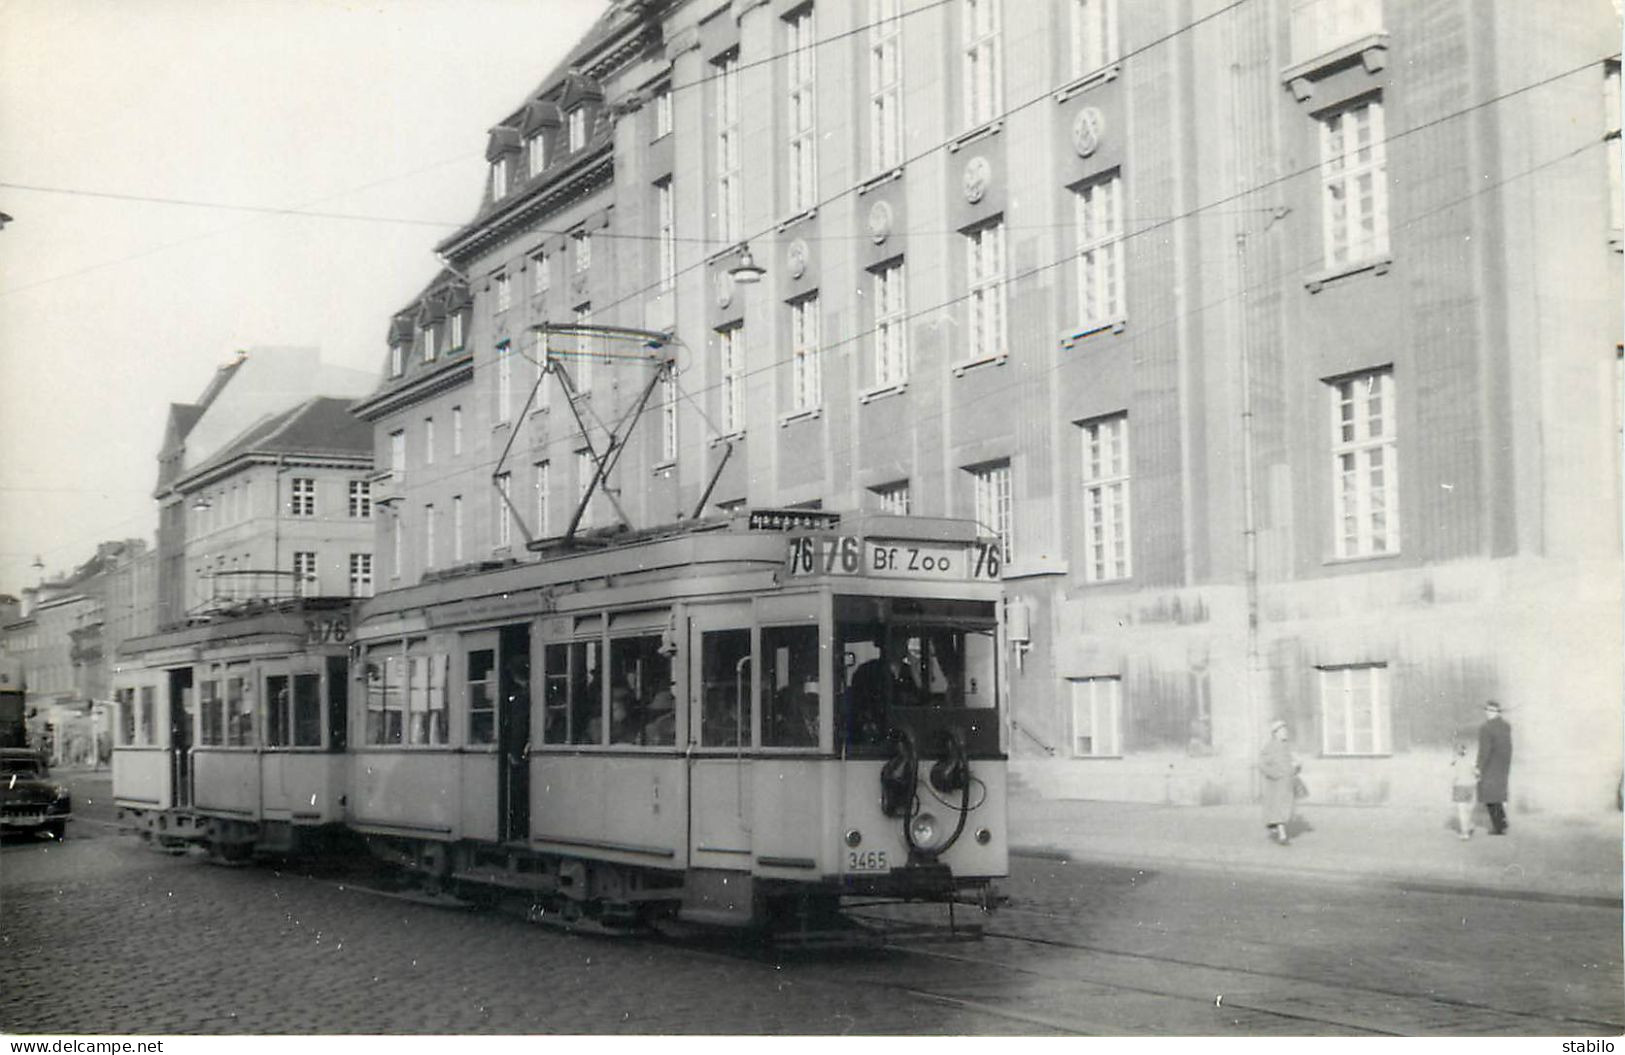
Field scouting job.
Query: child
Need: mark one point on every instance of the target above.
(1463, 789)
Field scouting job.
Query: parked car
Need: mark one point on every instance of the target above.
(29, 799)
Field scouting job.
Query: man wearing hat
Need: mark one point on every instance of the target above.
(1494, 760)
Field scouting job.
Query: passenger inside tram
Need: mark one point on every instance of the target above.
(660, 721)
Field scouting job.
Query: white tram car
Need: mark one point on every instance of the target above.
(735, 722)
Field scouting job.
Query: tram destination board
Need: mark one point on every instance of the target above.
(887, 558)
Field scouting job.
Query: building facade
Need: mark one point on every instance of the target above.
(1279, 343)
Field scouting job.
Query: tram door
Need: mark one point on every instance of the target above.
(180, 735)
(722, 679)
(513, 733)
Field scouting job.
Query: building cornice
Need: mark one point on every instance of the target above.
(415, 388)
(248, 459)
(591, 171)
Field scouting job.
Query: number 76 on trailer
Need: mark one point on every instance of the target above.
(853, 555)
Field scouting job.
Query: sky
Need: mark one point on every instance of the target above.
(146, 149)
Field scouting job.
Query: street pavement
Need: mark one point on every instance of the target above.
(1542, 856)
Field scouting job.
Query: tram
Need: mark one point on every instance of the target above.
(739, 721)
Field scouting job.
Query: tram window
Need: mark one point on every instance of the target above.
(338, 703)
(277, 708)
(556, 695)
(426, 700)
(126, 717)
(724, 687)
(209, 703)
(384, 699)
(640, 687)
(586, 691)
(790, 686)
(482, 696)
(239, 712)
(149, 716)
(307, 710)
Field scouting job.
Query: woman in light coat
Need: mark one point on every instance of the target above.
(1280, 772)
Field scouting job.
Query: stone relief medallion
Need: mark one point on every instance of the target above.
(978, 173)
(1087, 127)
(725, 289)
(795, 258)
(880, 220)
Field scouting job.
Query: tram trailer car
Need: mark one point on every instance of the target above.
(232, 733)
(720, 722)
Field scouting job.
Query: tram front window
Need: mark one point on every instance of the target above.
(920, 664)
(789, 686)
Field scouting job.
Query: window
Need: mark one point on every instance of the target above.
(573, 692)
(504, 294)
(386, 687)
(360, 575)
(583, 357)
(360, 499)
(430, 350)
(578, 128)
(984, 268)
(1099, 209)
(536, 152)
(891, 344)
(992, 502)
(397, 453)
(457, 528)
(304, 573)
(1106, 499)
(397, 546)
(295, 722)
(805, 369)
(731, 360)
(1353, 174)
(456, 430)
(211, 718)
(790, 689)
(304, 497)
(239, 707)
(663, 114)
(425, 695)
(544, 391)
(668, 234)
(586, 471)
(501, 504)
(455, 342)
(1094, 35)
(428, 441)
(980, 22)
(728, 168)
(397, 360)
(1611, 142)
(543, 470)
(541, 276)
(1097, 717)
(499, 179)
(583, 250)
(1354, 710)
(802, 112)
(428, 535)
(504, 382)
(894, 498)
(149, 714)
(1365, 472)
(668, 419)
(885, 85)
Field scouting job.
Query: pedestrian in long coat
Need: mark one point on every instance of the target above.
(1280, 773)
(1494, 763)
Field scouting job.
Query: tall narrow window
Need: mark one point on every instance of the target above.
(543, 471)
(582, 242)
(668, 419)
(541, 276)
(1106, 540)
(304, 573)
(428, 441)
(430, 345)
(499, 179)
(663, 115)
(885, 85)
(586, 472)
(428, 535)
(1099, 210)
(802, 111)
(456, 430)
(668, 234)
(360, 575)
(536, 152)
(1094, 35)
(1365, 470)
(578, 128)
(303, 503)
(894, 498)
(1097, 717)
(726, 111)
(980, 28)
(984, 269)
(457, 529)
(891, 343)
(806, 381)
(397, 547)
(397, 360)
(731, 360)
(1353, 174)
(504, 393)
(454, 342)
(360, 499)
(397, 453)
(581, 362)
(991, 485)
(1354, 711)
(503, 291)
(501, 510)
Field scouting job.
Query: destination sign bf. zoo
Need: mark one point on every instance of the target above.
(852, 555)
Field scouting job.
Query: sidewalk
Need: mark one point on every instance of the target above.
(1543, 857)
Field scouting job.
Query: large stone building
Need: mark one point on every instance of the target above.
(1279, 342)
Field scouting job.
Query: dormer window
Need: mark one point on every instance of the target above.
(456, 342)
(578, 128)
(429, 349)
(536, 150)
(499, 179)
(397, 360)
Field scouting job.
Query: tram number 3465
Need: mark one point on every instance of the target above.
(850, 555)
(866, 861)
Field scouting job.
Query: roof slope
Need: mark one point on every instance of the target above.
(321, 425)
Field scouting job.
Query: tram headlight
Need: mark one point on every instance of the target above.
(924, 831)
